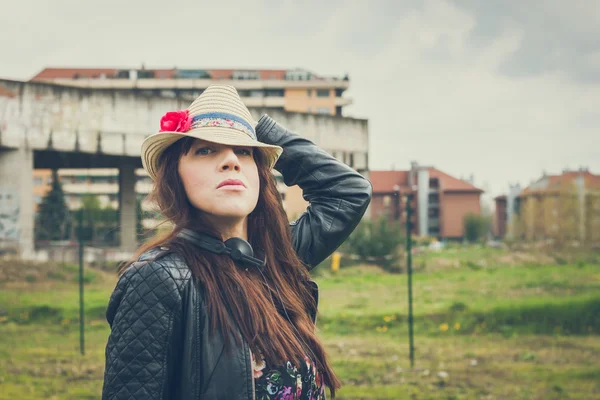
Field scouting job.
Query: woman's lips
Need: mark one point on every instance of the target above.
(232, 184)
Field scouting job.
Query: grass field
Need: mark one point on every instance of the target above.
(483, 330)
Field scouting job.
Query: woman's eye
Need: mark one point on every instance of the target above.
(203, 150)
(246, 152)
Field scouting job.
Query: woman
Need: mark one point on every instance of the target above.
(223, 306)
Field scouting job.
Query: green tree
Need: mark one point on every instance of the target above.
(100, 225)
(377, 241)
(53, 222)
(91, 218)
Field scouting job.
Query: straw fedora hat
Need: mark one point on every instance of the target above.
(218, 115)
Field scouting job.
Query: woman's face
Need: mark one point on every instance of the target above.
(220, 180)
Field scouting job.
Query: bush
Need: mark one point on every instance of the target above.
(378, 242)
(476, 227)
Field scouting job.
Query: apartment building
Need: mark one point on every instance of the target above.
(562, 207)
(293, 90)
(438, 201)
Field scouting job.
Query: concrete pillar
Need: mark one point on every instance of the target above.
(423, 200)
(513, 193)
(127, 206)
(16, 201)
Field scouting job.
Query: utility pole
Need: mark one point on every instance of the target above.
(81, 310)
(409, 267)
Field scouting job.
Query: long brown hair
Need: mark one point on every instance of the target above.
(233, 294)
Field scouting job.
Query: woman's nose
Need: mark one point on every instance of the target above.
(230, 161)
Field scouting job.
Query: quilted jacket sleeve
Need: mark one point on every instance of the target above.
(144, 314)
(338, 196)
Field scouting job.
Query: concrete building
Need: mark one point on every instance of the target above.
(438, 200)
(295, 90)
(559, 207)
(51, 126)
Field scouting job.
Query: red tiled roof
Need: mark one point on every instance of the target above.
(450, 183)
(69, 73)
(220, 73)
(564, 181)
(264, 74)
(592, 181)
(52, 73)
(164, 73)
(384, 181)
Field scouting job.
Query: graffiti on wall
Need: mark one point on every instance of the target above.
(9, 215)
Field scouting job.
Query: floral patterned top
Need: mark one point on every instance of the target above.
(287, 382)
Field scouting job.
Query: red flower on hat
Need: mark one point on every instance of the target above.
(175, 121)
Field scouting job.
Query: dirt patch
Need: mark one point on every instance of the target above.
(522, 258)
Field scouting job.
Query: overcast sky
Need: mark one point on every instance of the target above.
(503, 90)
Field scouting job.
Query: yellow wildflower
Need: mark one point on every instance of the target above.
(457, 326)
(387, 319)
(444, 327)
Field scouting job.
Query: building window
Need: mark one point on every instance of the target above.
(38, 181)
(323, 92)
(257, 93)
(298, 75)
(274, 92)
(323, 110)
(245, 75)
(351, 160)
(309, 92)
(338, 92)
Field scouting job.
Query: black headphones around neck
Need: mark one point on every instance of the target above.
(237, 248)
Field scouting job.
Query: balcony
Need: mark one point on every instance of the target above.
(91, 188)
(273, 102)
(149, 83)
(342, 101)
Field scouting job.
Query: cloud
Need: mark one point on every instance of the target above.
(557, 36)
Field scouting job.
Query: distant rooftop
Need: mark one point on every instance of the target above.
(564, 181)
(297, 74)
(389, 181)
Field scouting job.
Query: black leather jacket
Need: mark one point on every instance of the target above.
(159, 346)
